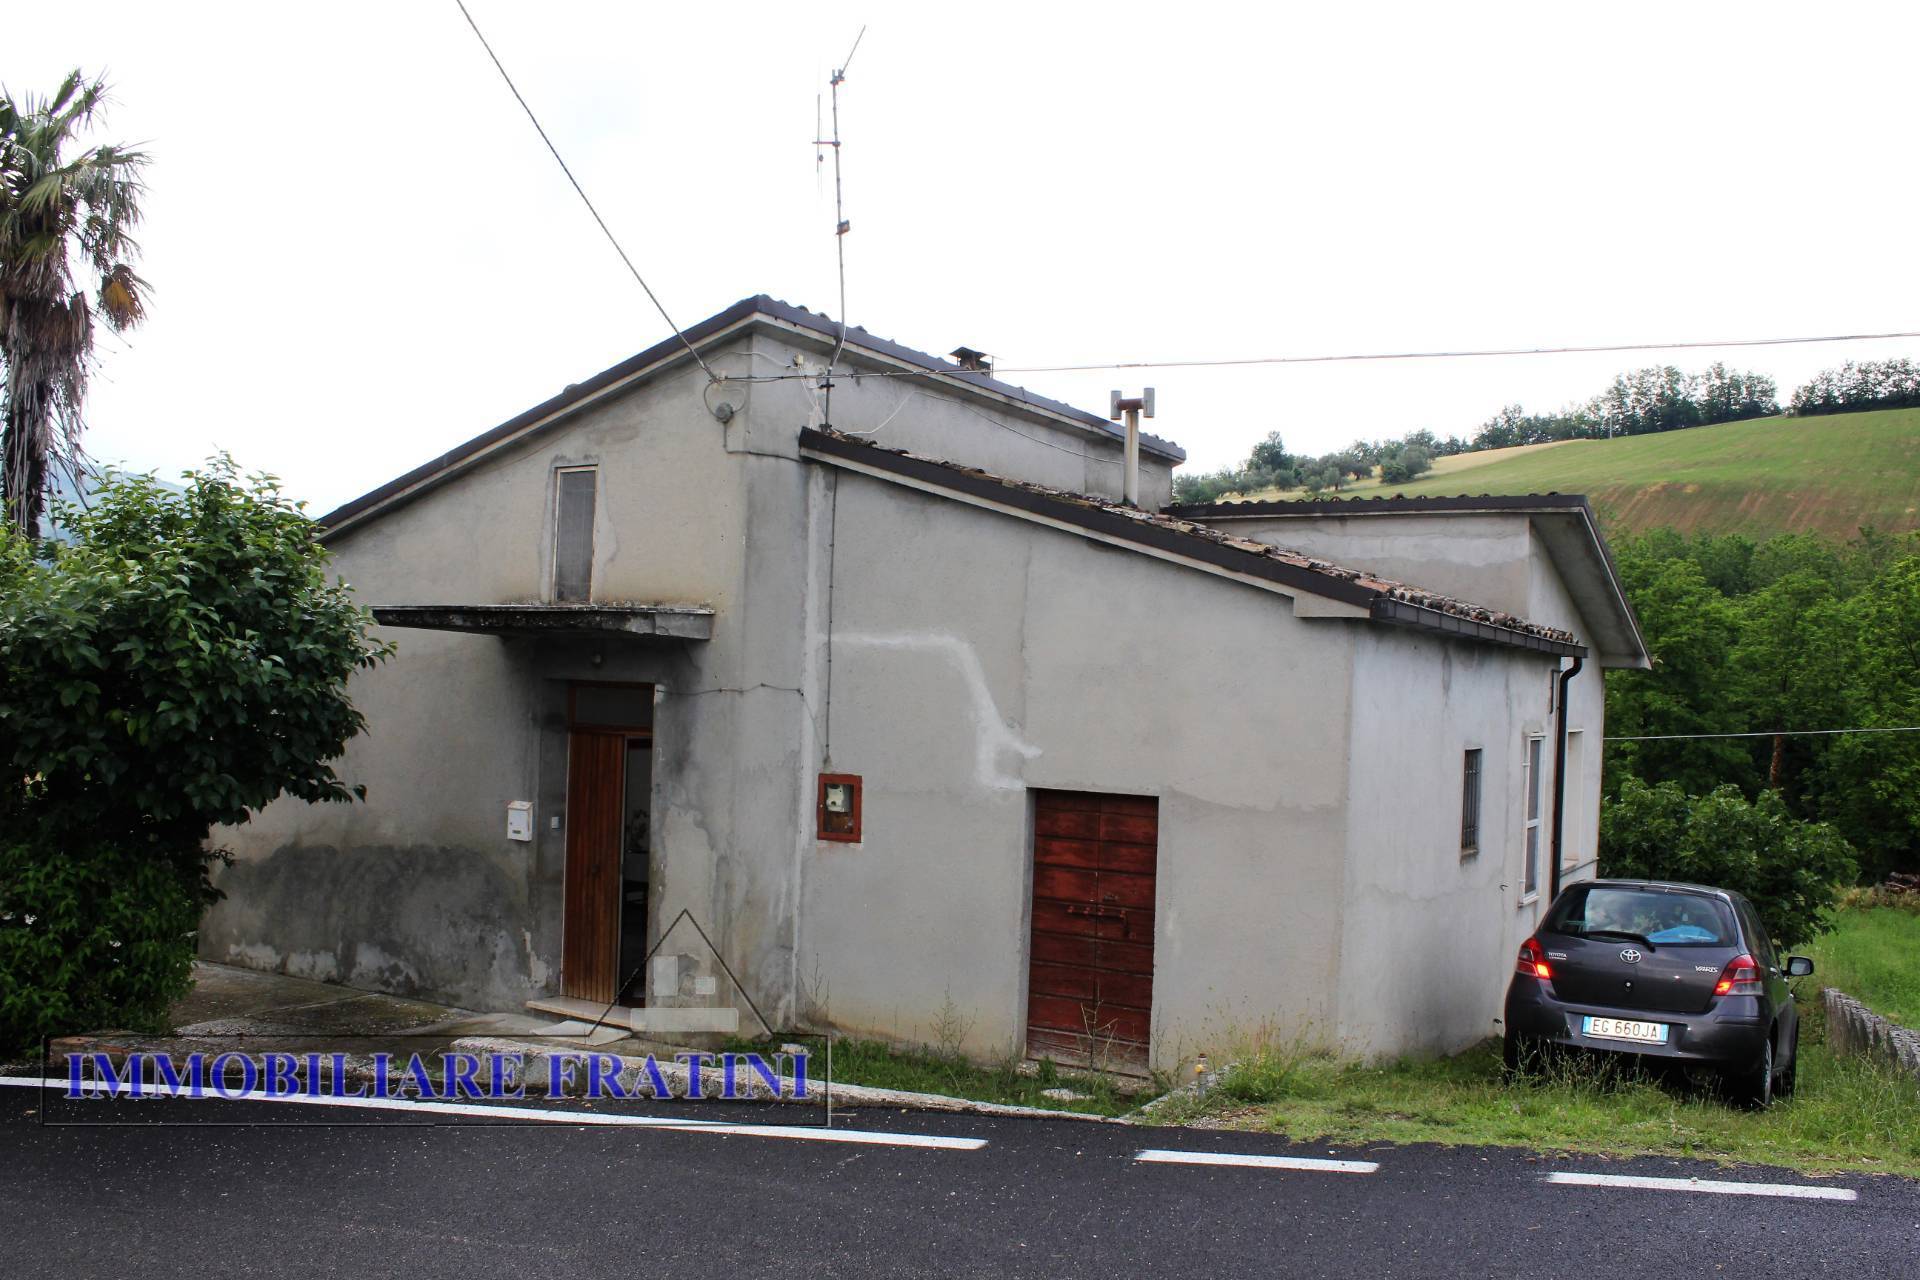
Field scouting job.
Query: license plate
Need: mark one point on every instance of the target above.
(1623, 1029)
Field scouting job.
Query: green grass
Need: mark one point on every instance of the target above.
(1873, 954)
(930, 1070)
(1848, 1115)
(1827, 474)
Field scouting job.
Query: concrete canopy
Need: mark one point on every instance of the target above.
(642, 622)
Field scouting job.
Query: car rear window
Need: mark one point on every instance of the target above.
(1662, 917)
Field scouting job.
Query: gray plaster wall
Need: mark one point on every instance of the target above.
(936, 421)
(1418, 705)
(957, 659)
(976, 657)
(1483, 558)
(1429, 931)
(418, 890)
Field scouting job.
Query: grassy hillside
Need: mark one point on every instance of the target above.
(1828, 474)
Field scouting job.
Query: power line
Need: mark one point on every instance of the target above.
(1374, 356)
(1768, 733)
(581, 192)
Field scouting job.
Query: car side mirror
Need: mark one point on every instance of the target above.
(1799, 967)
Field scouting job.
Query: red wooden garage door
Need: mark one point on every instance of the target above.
(1090, 987)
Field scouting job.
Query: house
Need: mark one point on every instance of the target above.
(744, 702)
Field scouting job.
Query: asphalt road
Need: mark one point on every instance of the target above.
(203, 1188)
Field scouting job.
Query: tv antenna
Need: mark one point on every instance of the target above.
(840, 223)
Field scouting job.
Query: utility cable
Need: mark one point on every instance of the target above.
(1367, 356)
(581, 192)
(1766, 733)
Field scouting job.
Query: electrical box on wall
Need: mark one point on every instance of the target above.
(839, 807)
(520, 820)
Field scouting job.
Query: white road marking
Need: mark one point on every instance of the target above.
(1306, 1163)
(551, 1115)
(1790, 1191)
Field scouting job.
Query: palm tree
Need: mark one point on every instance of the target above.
(59, 217)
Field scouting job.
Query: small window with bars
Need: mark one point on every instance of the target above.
(1470, 804)
(573, 535)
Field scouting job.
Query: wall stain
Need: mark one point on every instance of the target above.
(439, 922)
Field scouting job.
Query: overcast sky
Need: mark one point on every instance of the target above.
(361, 254)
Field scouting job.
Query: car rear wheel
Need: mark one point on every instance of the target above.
(1753, 1086)
(1783, 1087)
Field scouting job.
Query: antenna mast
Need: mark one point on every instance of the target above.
(839, 217)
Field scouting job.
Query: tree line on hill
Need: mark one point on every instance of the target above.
(1637, 402)
(1869, 384)
(1270, 466)
(1771, 638)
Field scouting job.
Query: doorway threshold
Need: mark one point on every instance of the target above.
(591, 1012)
(724, 1020)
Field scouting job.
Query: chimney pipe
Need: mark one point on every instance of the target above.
(1131, 409)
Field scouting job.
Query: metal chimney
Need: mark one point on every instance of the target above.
(1130, 410)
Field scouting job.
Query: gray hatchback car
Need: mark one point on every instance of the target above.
(1680, 972)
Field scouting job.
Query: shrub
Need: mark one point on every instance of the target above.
(91, 936)
(1790, 870)
(179, 664)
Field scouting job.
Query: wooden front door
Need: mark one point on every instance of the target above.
(590, 946)
(1090, 984)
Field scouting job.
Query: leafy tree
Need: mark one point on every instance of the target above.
(1790, 870)
(1794, 633)
(1404, 462)
(1658, 398)
(1789, 554)
(63, 216)
(1324, 477)
(1785, 666)
(1270, 455)
(1726, 562)
(179, 664)
(1869, 384)
(1869, 784)
(1205, 487)
(1728, 395)
(1690, 629)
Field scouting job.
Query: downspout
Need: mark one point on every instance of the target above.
(1559, 775)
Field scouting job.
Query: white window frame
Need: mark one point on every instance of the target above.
(1531, 758)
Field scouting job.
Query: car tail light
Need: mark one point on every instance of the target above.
(1741, 977)
(1533, 961)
